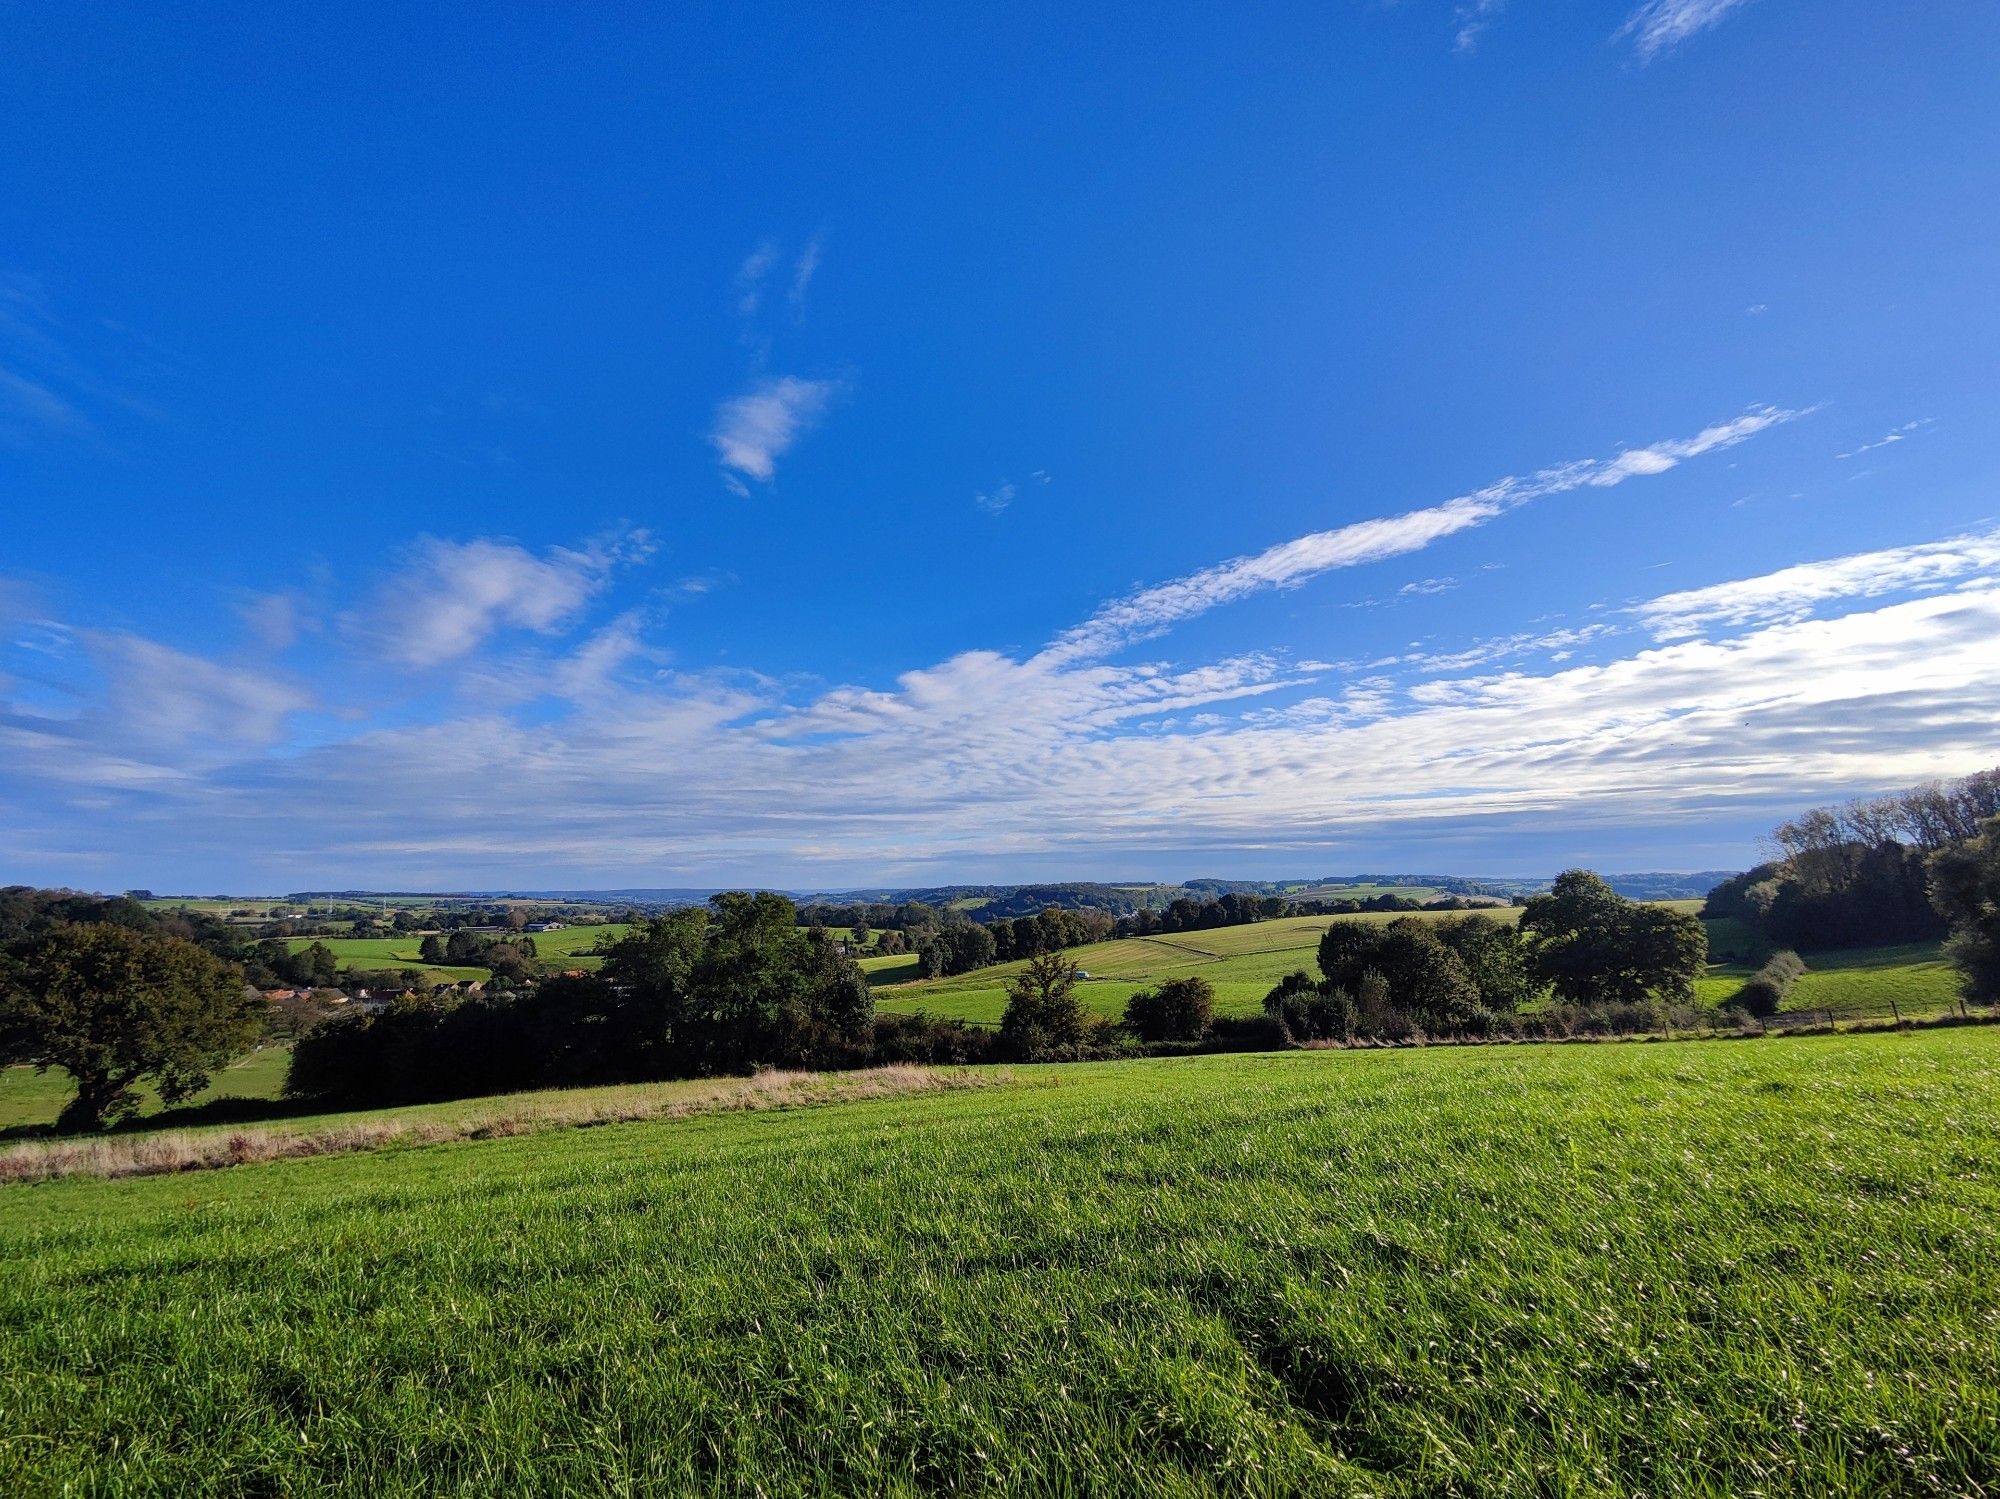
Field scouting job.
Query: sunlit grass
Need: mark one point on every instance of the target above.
(1714, 1268)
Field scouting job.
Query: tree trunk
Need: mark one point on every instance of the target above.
(95, 1098)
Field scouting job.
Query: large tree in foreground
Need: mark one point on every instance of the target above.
(1593, 946)
(112, 1006)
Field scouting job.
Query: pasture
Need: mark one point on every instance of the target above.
(1697, 1268)
(27, 1098)
(568, 948)
(1242, 963)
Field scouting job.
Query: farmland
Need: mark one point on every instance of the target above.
(569, 948)
(1243, 963)
(1693, 1268)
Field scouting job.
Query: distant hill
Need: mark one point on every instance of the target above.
(1120, 897)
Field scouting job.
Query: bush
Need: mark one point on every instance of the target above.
(1305, 1011)
(928, 1040)
(1764, 993)
(1179, 1010)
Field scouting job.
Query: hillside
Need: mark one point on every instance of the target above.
(1696, 1268)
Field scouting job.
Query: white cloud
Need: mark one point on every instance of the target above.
(1424, 587)
(754, 430)
(163, 698)
(1794, 593)
(1150, 611)
(453, 596)
(1661, 25)
(997, 499)
(803, 270)
(1472, 19)
(1898, 434)
(750, 277)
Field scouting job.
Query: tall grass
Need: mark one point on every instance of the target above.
(1674, 1269)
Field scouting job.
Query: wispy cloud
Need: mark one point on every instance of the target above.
(754, 430)
(1662, 25)
(995, 500)
(750, 277)
(803, 271)
(165, 698)
(1472, 18)
(451, 597)
(1795, 593)
(1150, 611)
(1895, 435)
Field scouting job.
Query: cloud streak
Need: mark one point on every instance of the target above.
(1151, 611)
(1662, 25)
(1795, 593)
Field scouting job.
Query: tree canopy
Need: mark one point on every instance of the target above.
(112, 1005)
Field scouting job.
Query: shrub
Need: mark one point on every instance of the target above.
(1764, 993)
(1179, 1010)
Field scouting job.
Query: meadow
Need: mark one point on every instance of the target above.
(568, 948)
(1694, 1268)
(31, 1098)
(1244, 963)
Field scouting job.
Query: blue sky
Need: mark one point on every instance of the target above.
(769, 445)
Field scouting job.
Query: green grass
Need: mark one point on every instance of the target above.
(563, 949)
(1242, 963)
(1713, 1268)
(27, 1097)
(1912, 980)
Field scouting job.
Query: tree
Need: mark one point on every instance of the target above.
(1179, 1010)
(1426, 980)
(1593, 946)
(1495, 958)
(431, 950)
(110, 1006)
(1965, 884)
(1043, 1012)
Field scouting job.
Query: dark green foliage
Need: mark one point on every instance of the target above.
(1495, 958)
(956, 947)
(1593, 946)
(1044, 1018)
(112, 1004)
(1426, 980)
(1966, 888)
(693, 992)
(1179, 1010)
(1303, 1010)
(1764, 992)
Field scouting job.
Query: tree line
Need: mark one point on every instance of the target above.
(1860, 874)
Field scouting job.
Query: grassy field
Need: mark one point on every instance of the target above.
(565, 949)
(30, 1098)
(1243, 963)
(1713, 1268)
(1910, 980)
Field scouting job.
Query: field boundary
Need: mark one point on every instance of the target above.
(170, 1151)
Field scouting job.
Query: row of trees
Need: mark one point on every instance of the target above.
(1861, 874)
(1582, 944)
(716, 989)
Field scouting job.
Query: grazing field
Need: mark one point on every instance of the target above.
(1912, 980)
(1708, 1268)
(568, 948)
(1243, 963)
(29, 1098)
